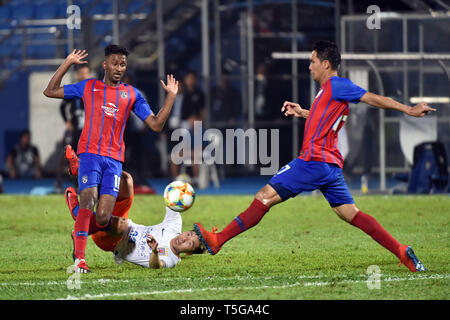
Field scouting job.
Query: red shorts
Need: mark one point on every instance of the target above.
(101, 238)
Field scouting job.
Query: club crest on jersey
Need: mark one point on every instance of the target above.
(110, 109)
(162, 252)
(123, 94)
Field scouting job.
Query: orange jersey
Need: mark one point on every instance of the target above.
(101, 238)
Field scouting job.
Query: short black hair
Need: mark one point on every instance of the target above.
(25, 132)
(82, 66)
(191, 72)
(328, 50)
(115, 49)
(201, 248)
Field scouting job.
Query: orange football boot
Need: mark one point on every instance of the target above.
(73, 159)
(209, 239)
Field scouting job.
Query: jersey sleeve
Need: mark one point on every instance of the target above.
(141, 107)
(344, 90)
(76, 90)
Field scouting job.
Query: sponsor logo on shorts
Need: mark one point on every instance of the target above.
(84, 179)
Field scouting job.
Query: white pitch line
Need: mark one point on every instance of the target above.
(296, 284)
(103, 281)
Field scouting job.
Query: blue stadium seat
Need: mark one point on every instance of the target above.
(46, 11)
(103, 27)
(5, 49)
(140, 6)
(46, 52)
(102, 8)
(4, 13)
(31, 51)
(22, 12)
(43, 37)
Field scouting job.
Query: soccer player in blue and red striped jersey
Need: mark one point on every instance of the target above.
(319, 165)
(101, 148)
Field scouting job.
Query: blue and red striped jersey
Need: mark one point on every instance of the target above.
(106, 112)
(326, 117)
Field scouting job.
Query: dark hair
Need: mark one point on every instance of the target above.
(199, 250)
(191, 72)
(82, 66)
(327, 50)
(115, 49)
(25, 132)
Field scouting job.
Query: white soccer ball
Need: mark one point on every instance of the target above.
(179, 196)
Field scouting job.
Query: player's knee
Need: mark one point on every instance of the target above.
(126, 188)
(88, 198)
(346, 212)
(102, 219)
(267, 196)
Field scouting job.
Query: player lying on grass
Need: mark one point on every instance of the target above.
(319, 165)
(157, 246)
(108, 104)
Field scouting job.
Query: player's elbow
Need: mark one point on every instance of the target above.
(49, 93)
(155, 126)
(154, 123)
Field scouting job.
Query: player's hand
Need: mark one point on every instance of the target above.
(152, 243)
(77, 56)
(420, 110)
(172, 85)
(294, 109)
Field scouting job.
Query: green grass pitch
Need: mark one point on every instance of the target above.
(300, 250)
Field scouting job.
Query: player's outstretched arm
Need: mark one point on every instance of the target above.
(419, 110)
(156, 123)
(154, 262)
(294, 109)
(54, 89)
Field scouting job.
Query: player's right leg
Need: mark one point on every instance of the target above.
(285, 184)
(264, 200)
(89, 176)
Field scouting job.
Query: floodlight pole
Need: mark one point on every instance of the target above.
(70, 41)
(294, 75)
(161, 57)
(205, 59)
(116, 22)
(250, 66)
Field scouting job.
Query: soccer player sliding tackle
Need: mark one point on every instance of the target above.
(101, 148)
(319, 165)
(154, 247)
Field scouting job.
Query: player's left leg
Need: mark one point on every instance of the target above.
(368, 224)
(338, 195)
(109, 190)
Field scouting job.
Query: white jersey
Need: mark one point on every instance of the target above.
(133, 246)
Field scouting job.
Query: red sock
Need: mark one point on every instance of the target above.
(370, 226)
(94, 226)
(244, 221)
(81, 232)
